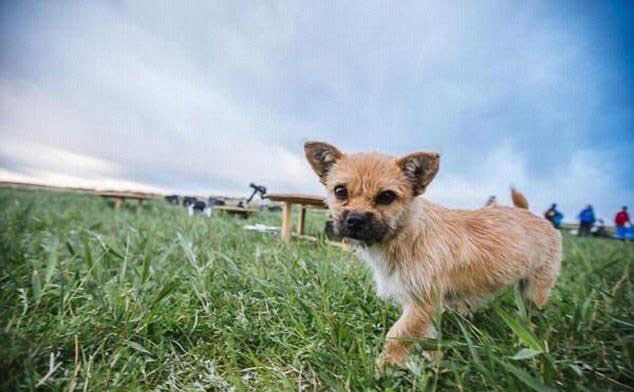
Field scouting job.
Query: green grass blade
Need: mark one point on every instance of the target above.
(526, 377)
(525, 353)
(88, 254)
(51, 264)
(473, 350)
(523, 333)
(36, 285)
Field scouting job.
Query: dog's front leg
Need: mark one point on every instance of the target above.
(415, 322)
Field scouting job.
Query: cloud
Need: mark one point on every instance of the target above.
(211, 96)
(53, 178)
(182, 154)
(36, 163)
(28, 156)
(584, 180)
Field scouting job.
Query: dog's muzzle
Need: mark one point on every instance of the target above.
(360, 226)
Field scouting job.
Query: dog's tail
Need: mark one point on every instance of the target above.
(519, 200)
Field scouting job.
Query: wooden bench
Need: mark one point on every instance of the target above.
(242, 212)
(120, 197)
(304, 202)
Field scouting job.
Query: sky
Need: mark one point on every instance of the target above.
(206, 97)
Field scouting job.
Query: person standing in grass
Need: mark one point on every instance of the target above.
(621, 219)
(553, 216)
(586, 220)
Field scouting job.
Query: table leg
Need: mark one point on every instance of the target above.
(118, 202)
(286, 221)
(300, 220)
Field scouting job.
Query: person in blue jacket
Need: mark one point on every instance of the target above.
(586, 221)
(554, 216)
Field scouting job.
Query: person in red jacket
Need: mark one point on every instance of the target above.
(620, 220)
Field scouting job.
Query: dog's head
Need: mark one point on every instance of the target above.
(369, 194)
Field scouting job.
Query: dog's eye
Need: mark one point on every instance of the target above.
(341, 192)
(385, 197)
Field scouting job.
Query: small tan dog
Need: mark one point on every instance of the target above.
(423, 254)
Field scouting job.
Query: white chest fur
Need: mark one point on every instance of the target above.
(388, 282)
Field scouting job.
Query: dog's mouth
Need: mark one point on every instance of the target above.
(370, 232)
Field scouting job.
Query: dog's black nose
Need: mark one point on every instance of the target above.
(356, 222)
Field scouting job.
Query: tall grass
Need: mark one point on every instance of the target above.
(149, 299)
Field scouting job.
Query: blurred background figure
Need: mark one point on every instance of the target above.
(586, 220)
(554, 216)
(601, 231)
(491, 201)
(621, 220)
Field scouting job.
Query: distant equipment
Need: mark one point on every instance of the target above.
(189, 200)
(212, 201)
(172, 199)
(199, 206)
(257, 189)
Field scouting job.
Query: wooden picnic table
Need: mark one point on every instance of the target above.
(304, 202)
(240, 211)
(120, 197)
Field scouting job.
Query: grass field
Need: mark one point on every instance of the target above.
(149, 299)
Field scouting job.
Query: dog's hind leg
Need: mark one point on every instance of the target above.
(536, 287)
(469, 305)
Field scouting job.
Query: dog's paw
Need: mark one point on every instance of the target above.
(389, 364)
(388, 361)
(380, 365)
(383, 366)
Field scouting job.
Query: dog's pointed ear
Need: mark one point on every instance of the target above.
(419, 168)
(321, 156)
